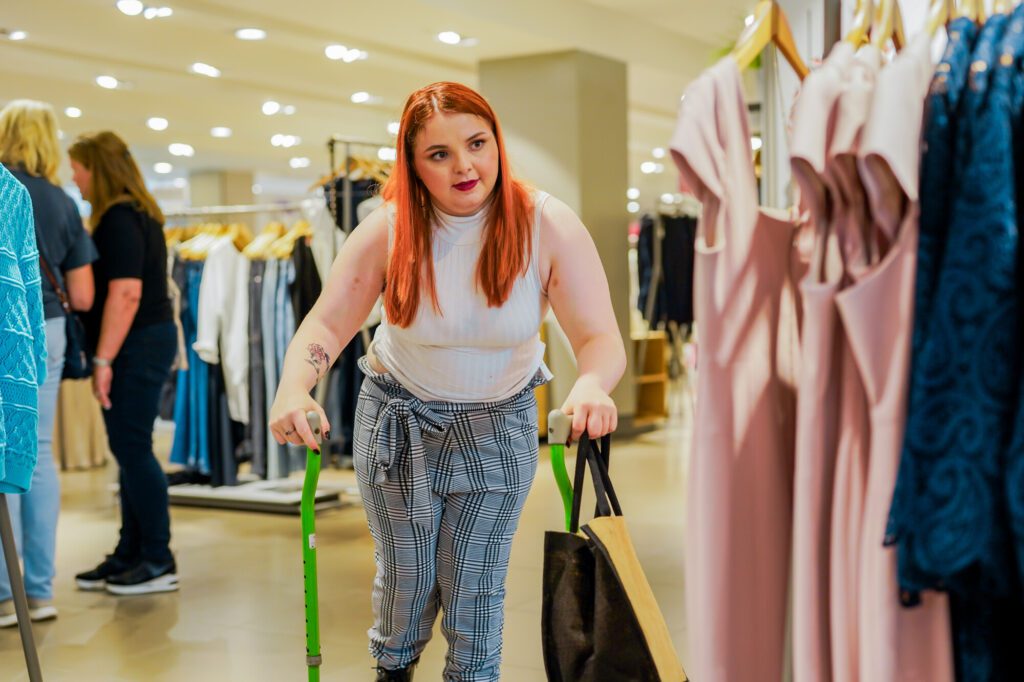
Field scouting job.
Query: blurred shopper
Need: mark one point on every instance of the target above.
(30, 151)
(132, 334)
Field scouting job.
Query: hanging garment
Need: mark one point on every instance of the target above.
(191, 447)
(268, 318)
(847, 226)
(223, 322)
(306, 289)
(740, 489)
(258, 432)
(674, 296)
(895, 643)
(949, 515)
(22, 337)
(79, 433)
(819, 395)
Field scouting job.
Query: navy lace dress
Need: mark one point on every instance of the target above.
(949, 516)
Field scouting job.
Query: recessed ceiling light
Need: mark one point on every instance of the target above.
(632, 193)
(132, 8)
(299, 162)
(633, 207)
(756, 143)
(354, 55)
(387, 153)
(17, 35)
(449, 37)
(658, 152)
(257, 189)
(220, 131)
(335, 51)
(394, 127)
(667, 198)
(270, 107)
(73, 112)
(650, 167)
(157, 12)
(250, 34)
(180, 183)
(749, 20)
(360, 97)
(205, 70)
(180, 149)
(157, 123)
(107, 82)
(163, 168)
(288, 109)
(282, 140)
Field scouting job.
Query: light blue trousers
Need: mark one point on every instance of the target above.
(34, 514)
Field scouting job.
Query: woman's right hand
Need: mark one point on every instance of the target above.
(288, 421)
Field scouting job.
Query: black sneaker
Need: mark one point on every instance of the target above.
(146, 578)
(96, 579)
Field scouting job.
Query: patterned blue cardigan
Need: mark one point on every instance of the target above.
(22, 337)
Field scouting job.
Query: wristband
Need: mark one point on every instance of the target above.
(101, 362)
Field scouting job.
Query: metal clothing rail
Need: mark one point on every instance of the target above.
(10, 553)
(346, 192)
(238, 209)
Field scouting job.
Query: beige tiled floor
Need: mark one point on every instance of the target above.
(239, 614)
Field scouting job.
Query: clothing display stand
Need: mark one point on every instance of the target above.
(10, 551)
(282, 496)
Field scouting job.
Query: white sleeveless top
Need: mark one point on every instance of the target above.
(471, 352)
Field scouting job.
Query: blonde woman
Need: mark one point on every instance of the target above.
(131, 330)
(29, 150)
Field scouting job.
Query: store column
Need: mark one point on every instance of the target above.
(220, 188)
(564, 119)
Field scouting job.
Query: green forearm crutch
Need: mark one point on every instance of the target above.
(559, 429)
(313, 657)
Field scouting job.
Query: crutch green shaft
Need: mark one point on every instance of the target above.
(559, 430)
(308, 510)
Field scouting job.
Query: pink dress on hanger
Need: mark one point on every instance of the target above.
(819, 394)
(739, 506)
(896, 644)
(849, 220)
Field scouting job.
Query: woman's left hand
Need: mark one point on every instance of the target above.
(101, 380)
(591, 408)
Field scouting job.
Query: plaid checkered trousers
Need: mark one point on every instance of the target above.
(443, 485)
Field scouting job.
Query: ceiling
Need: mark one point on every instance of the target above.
(665, 43)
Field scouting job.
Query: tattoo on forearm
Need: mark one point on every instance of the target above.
(318, 359)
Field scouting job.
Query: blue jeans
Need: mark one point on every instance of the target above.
(140, 370)
(34, 514)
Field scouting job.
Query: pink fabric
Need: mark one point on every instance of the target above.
(740, 486)
(817, 430)
(897, 644)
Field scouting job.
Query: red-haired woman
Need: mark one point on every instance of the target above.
(468, 260)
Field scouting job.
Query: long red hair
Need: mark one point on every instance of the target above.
(508, 236)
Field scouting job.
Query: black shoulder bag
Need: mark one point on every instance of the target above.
(77, 363)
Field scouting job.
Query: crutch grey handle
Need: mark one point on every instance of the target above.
(315, 426)
(559, 427)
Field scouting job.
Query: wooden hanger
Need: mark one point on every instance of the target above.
(888, 26)
(862, 17)
(259, 248)
(939, 14)
(770, 26)
(283, 247)
(972, 9)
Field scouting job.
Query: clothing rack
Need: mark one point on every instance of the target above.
(10, 552)
(239, 209)
(346, 192)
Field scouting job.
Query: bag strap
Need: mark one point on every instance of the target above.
(64, 302)
(607, 500)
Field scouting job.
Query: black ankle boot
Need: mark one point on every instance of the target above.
(397, 675)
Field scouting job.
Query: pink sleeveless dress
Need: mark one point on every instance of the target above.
(739, 497)
(819, 392)
(896, 644)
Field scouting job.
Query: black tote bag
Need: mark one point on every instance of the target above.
(77, 363)
(600, 621)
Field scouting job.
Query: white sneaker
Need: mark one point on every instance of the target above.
(8, 618)
(41, 610)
